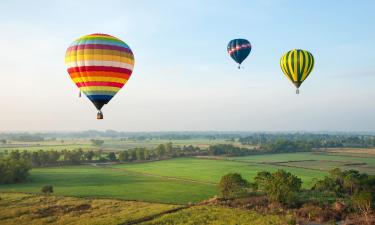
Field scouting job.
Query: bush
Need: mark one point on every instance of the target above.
(232, 185)
(47, 189)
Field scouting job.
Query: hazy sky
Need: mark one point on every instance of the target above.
(183, 77)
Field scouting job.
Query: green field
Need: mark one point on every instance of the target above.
(109, 144)
(212, 170)
(89, 181)
(180, 180)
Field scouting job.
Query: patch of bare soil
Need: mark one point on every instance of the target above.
(62, 209)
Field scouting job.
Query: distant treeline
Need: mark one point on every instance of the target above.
(309, 140)
(43, 158)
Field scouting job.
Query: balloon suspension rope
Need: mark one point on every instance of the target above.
(99, 116)
(297, 91)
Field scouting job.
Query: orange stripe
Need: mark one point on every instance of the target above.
(99, 74)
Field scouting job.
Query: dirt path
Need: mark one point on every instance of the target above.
(160, 176)
(152, 217)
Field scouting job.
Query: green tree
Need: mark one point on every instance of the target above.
(47, 189)
(97, 142)
(89, 155)
(232, 185)
(123, 156)
(160, 151)
(112, 157)
(280, 186)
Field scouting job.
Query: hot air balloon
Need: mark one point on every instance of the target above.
(239, 49)
(100, 65)
(297, 64)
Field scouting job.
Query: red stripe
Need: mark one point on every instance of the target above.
(99, 83)
(99, 46)
(83, 69)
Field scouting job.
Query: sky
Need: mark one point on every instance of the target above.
(183, 79)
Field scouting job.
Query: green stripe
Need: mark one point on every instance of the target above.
(303, 63)
(286, 65)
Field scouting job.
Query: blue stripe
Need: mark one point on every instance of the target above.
(100, 97)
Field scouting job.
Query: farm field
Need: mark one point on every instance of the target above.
(90, 181)
(212, 170)
(178, 180)
(18, 208)
(316, 160)
(109, 144)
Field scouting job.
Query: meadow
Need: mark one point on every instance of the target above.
(18, 208)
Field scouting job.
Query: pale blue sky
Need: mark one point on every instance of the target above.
(183, 77)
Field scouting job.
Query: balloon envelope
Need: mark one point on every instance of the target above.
(100, 65)
(297, 64)
(239, 49)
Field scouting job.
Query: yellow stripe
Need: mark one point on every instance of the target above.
(105, 79)
(99, 51)
(99, 57)
(283, 68)
(99, 88)
(289, 63)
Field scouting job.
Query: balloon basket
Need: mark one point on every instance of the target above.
(99, 116)
(297, 91)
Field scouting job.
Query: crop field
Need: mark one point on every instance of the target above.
(212, 170)
(180, 180)
(322, 161)
(109, 144)
(90, 181)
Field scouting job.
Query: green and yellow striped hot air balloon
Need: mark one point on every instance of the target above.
(297, 64)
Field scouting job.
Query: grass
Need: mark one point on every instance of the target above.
(88, 181)
(216, 215)
(213, 170)
(16, 208)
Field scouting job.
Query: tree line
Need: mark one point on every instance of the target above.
(281, 187)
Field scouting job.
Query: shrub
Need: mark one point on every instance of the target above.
(232, 185)
(47, 189)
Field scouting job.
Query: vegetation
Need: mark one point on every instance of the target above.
(217, 215)
(47, 189)
(13, 170)
(232, 185)
(279, 186)
(17, 208)
(92, 181)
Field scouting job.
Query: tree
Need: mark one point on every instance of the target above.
(89, 155)
(47, 189)
(279, 186)
(362, 202)
(232, 185)
(3, 141)
(112, 157)
(123, 156)
(160, 150)
(97, 142)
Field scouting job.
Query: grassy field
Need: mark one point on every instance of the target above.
(317, 160)
(18, 208)
(109, 144)
(212, 170)
(180, 180)
(216, 215)
(89, 181)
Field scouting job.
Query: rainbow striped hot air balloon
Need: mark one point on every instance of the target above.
(100, 65)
